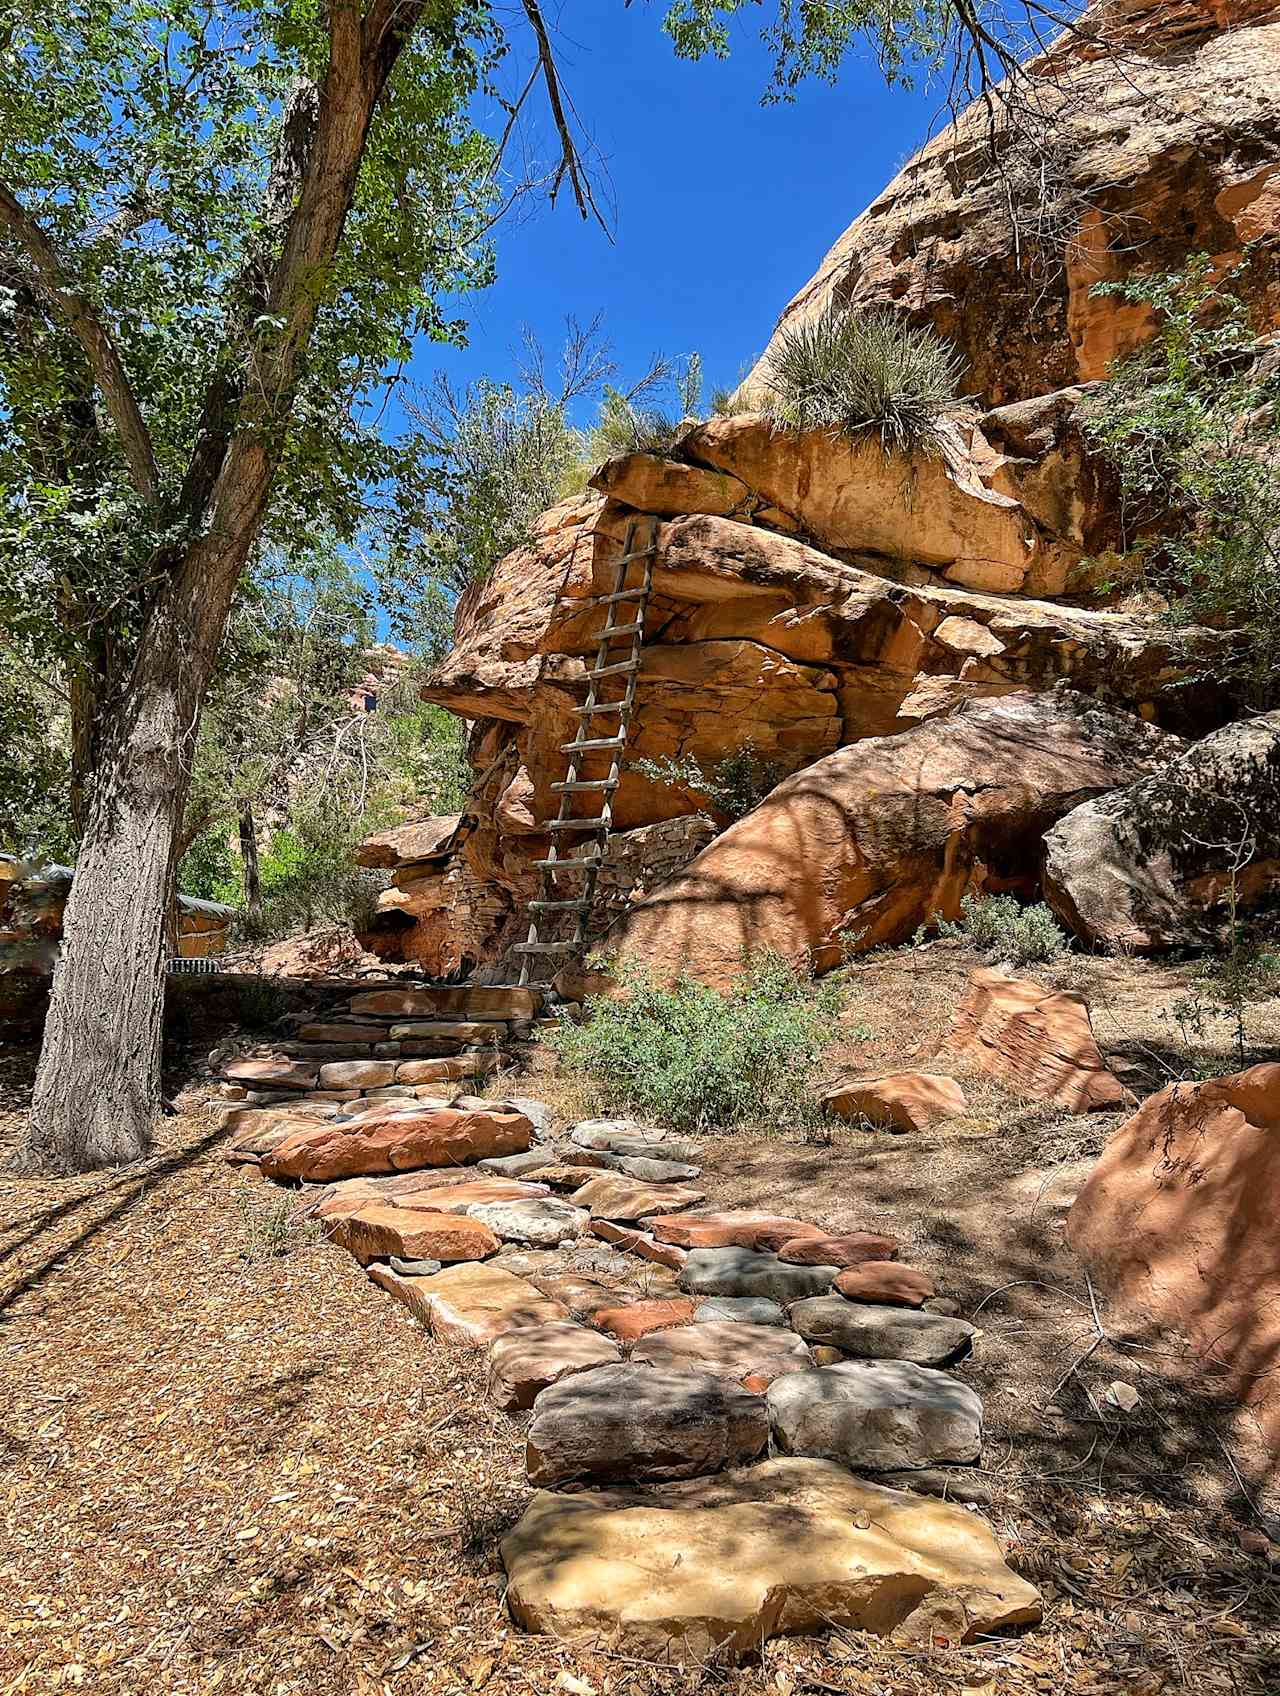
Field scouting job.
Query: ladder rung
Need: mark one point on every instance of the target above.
(621, 595)
(577, 824)
(601, 707)
(558, 906)
(544, 947)
(612, 630)
(590, 863)
(593, 744)
(613, 670)
(585, 783)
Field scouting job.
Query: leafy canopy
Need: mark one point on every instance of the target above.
(150, 140)
(808, 39)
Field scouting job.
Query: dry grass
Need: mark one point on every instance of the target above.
(252, 1473)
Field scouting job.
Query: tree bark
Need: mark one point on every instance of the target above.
(249, 861)
(97, 1089)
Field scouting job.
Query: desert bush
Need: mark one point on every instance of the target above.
(699, 1059)
(858, 372)
(309, 876)
(734, 786)
(631, 422)
(1000, 928)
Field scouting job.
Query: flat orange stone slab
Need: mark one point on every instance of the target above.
(471, 1304)
(638, 1242)
(376, 1231)
(397, 1142)
(271, 1074)
(887, 1282)
(848, 1250)
(458, 1198)
(612, 1197)
(727, 1230)
(638, 1318)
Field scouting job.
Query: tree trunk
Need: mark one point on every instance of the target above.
(97, 1089)
(249, 860)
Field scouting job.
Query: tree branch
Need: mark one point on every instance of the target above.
(571, 165)
(94, 338)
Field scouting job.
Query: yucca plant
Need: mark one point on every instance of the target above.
(863, 371)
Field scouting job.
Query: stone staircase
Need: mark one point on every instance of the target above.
(739, 1425)
(381, 1043)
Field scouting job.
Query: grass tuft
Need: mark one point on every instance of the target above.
(861, 372)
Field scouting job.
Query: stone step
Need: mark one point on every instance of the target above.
(466, 1001)
(881, 1333)
(876, 1415)
(627, 1424)
(782, 1548)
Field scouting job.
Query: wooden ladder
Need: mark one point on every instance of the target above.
(551, 898)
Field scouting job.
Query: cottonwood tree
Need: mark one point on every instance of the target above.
(220, 229)
(240, 216)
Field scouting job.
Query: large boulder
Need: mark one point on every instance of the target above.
(1177, 1227)
(714, 1567)
(940, 511)
(1158, 142)
(1151, 866)
(860, 849)
(1035, 1041)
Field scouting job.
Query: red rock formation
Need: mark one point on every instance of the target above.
(1177, 1226)
(1035, 1041)
(1159, 138)
(752, 636)
(866, 845)
(810, 592)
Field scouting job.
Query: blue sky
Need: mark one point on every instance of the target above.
(724, 206)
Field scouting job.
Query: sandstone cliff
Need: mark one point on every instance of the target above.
(1161, 140)
(811, 593)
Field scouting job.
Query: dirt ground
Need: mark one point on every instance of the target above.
(226, 1468)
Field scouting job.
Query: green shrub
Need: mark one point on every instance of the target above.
(699, 1059)
(1191, 424)
(734, 786)
(627, 427)
(309, 875)
(1001, 929)
(209, 870)
(854, 372)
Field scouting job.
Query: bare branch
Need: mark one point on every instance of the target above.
(571, 165)
(99, 348)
